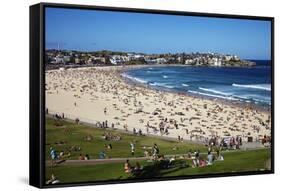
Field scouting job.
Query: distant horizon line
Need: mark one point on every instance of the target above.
(149, 53)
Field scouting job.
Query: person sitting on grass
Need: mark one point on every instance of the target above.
(202, 163)
(219, 156)
(210, 158)
(196, 160)
(81, 157)
(54, 155)
(146, 153)
(109, 146)
(127, 166)
(53, 180)
(169, 163)
(161, 158)
(102, 155)
(61, 155)
(87, 157)
(138, 167)
(189, 154)
(195, 163)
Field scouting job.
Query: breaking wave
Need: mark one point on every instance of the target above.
(266, 87)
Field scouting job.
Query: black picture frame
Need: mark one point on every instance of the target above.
(37, 92)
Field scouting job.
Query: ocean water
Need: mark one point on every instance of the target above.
(242, 84)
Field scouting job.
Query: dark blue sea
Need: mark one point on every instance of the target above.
(243, 84)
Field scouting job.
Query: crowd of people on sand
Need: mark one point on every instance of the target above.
(139, 132)
(211, 117)
(227, 142)
(154, 111)
(57, 116)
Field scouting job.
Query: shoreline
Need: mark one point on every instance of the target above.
(240, 104)
(104, 87)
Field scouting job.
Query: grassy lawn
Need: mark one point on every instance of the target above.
(74, 134)
(71, 134)
(234, 162)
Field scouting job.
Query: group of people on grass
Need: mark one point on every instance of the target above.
(231, 142)
(55, 156)
(108, 136)
(199, 161)
(128, 168)
(84, 157)
(224, 142)
(154, 151)
(104, 124)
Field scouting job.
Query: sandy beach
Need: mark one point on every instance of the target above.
(101, 95)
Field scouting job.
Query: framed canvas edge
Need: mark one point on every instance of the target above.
(35, 90)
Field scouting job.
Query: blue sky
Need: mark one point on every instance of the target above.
(89, 30)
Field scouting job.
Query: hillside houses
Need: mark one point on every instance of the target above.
(55, 58)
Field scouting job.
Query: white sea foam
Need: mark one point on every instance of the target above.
(212, 95)
(161, 85)
(168, 86)
(165, 76)
(266, 87)
(134, 78)
(241, 97)
(254, 97)
(185, 85)
(261, 100)
(215, 91)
